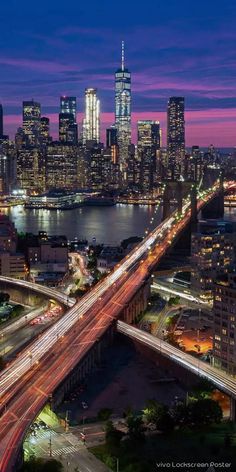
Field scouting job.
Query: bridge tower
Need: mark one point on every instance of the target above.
(194, 219)
(173, 190)
(215, 208)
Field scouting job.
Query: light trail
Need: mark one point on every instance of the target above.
(221, 379)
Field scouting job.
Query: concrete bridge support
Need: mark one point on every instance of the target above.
(138, 304)
(233, 409)
(22, 295)
(83, 369)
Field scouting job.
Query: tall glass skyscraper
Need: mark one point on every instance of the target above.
(68, 128)
(176, 135)
(68, 105)
(91, 123)
(31, 122)
(123, 113)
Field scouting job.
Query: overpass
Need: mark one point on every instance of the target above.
(38, 289)
(220, 379)
(28, 382)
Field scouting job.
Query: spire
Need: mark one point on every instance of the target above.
(123, 55)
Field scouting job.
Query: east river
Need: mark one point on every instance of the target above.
(109, 225)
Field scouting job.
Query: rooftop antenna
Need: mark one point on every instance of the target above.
(123, 55)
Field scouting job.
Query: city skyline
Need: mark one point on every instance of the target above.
(178, 51)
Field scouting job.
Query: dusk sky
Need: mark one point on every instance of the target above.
(185, 47)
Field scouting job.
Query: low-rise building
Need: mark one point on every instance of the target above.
(109, 257)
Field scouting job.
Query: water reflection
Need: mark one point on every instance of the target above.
(106, 224)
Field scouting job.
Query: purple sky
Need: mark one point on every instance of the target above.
(172, 48)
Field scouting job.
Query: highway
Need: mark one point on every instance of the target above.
(41, 289)
(26, 384)
(221, 380)
(179, 292)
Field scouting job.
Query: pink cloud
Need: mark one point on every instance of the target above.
(203, 127)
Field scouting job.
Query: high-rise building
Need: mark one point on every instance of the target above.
(212, 253)
(149, 141)
(68, 128)
(31, 122)
(1, 121)
(123, 113)
(111, 136)
(44, 131)
(61, 166)
(224, 323)
(91, 123)
(31, 169)
(112, 144)
(68, 105)
(175, 135)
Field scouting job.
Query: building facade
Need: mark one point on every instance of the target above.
(224, 323)
(91, 123)
(123, 114)
(175, 135)
(212, 252)
(31, 122)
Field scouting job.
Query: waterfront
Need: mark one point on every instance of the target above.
(109, 225)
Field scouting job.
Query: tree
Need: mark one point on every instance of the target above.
(159, 415)
(104, 414)
(203, 389)
(40, 465)
(135, 427)
(204, 411)
(4, 297)
(113, 436)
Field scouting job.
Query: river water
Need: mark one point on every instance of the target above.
(108, 225)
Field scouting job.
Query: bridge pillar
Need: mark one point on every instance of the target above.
(193, 206)
(180, 196)
(166, 203)
(232, 409)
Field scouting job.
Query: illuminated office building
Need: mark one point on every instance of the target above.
(212, 252)
(176, 135)
(112, 144)
(68, 105)
(61, 166)
(224, 323)
(91, 123)
(149, 142)
(44, 131)
(31, 169)
(123, 113)
(31, 122)
(68, 128)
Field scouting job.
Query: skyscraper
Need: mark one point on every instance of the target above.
(1, 121)
(68, 128)
(91, 123)
(149, 142)
(68, 105)
(44, 130)
(175, 135)
(31, 122)
(123, 113)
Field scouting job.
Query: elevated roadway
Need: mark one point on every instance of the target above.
(220, 379)
(40, 289)
(27, 383)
